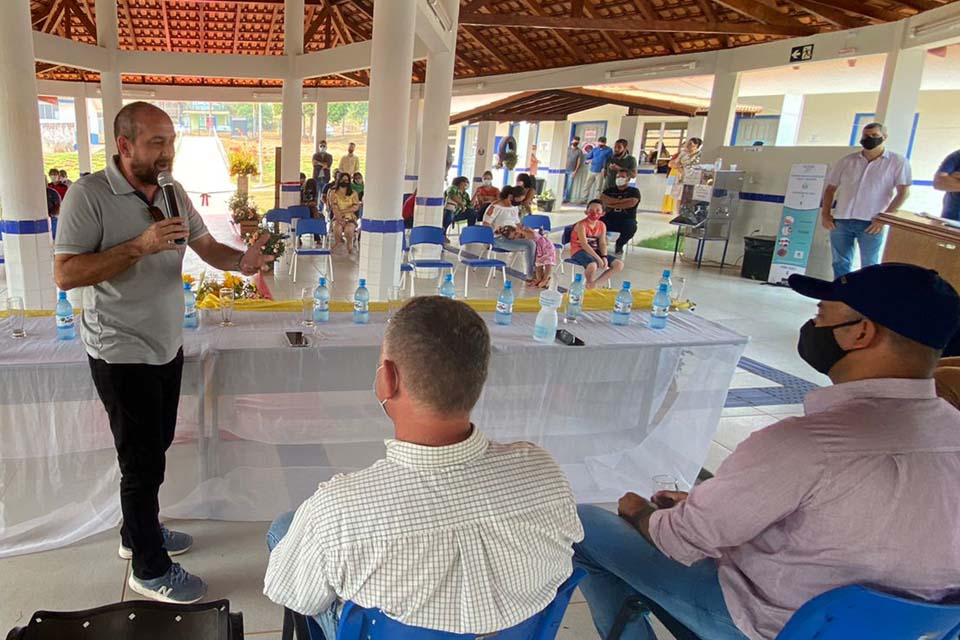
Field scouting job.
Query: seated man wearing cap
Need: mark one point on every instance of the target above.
(859, 490)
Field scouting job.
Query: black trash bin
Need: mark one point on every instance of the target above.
(757, 256)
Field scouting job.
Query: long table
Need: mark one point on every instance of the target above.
(261, 424)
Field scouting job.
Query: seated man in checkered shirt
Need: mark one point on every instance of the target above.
(450, 531)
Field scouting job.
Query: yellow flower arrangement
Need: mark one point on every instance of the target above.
(243, 289)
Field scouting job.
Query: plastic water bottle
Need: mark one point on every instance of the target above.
(191, 317)
(361, 303)
(447, 290)
(321, 302)
(545, 326)
(667, 281)
(575, 299)
(65, 325)
(661, 308)
(504, 314)
(622, 305)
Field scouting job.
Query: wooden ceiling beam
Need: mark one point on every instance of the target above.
(236, 27)
(576, 9)
(129, 20)
(273, 26)
(571, 47)
(632, 25)
(645, 9)
(614, 43)
(921, 5)
(84, 19)
(759, 12)
(481, 42)
(67, 22)
(315, 25)
(166, 25)
(342, 31)
(476, 5)
(56, 10)
(861, 8)
(834, 16)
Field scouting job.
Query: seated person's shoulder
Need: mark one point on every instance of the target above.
(524, 454)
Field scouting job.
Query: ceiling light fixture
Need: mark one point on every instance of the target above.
(642, 72)
(440, 14)
(937, 28)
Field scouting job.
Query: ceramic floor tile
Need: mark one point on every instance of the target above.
(784, 410)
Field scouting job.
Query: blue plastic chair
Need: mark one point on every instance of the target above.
(479, 235)
(275, 217)
(858, 612)
(316, 227)
(429, 236)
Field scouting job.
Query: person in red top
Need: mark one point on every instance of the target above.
(55, 183)
(484, 195)
(407, 211)
(588, 247)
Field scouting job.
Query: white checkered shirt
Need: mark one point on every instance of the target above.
(470, 538)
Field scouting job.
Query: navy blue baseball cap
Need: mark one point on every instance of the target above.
(915, 302)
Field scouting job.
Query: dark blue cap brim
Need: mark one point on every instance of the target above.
(813, 287)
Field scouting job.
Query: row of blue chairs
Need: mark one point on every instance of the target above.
(298, 219)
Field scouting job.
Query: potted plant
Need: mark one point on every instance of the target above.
(242, 165)
(243, 214)
(546, 200)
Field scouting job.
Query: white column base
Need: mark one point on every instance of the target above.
(380, 258)
(29, 269)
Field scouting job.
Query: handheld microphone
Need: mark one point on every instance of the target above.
(165, 181)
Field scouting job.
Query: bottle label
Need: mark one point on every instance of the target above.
(321, 305)
(541, 332)
(64, 322)
(503, 307)
(576, 298)
(622, 307)
(360, 306)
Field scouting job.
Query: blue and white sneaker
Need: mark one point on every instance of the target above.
(175, 542)
(175, 586)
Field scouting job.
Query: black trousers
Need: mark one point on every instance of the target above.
(626, 226)
(141, 401)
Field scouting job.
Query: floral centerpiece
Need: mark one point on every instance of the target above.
(243, 165)
(243, 213)
(243, 289)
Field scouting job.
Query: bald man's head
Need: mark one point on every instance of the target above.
(145, 141)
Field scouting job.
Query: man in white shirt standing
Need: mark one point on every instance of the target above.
(450, 531)
(866, 183)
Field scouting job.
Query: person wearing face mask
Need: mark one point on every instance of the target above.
(344, 205)
(588, 247)
(322, 161)
(448, 522)
(620, 204)
(526, 182)
(621, 160)
(574, 162)
(484, 195)
(861, 489)
(597, 157)
(863, 185)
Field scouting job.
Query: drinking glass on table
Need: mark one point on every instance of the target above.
(306, 298)
(227, 299)
(15, 313)
(664, 482)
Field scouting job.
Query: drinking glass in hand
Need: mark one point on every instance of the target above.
(227, 298)
(306, 298)
(665, 482)
(15, 315)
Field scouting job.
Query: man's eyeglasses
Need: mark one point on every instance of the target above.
(156, 213)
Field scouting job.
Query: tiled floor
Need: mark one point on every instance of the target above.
(232, 556)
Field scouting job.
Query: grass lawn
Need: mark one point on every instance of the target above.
(665, 242)
(70, 162)
(336, 145)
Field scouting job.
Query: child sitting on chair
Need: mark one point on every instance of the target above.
(546, 256)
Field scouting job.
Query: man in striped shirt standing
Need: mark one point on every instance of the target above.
(450, 531)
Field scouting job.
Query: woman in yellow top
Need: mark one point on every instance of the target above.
(344, 205)
(681, 167)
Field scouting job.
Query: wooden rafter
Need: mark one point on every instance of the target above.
(829, 14)
(166, 26)
(613, 42)
(129, 20)
(634, 25)
(236, 27)
(861, 8)
(576, 9)
(328, 42)
(921, 5)
(575, 52)
(273, 27)
(340, 26)
(82, 17)
(481, 42)
(475, 5)
(315, 25)
(56, 11)
(645, 9)
(759, 12)
(67, 22)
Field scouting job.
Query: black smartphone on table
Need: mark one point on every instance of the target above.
(297, 339)
(568, 338)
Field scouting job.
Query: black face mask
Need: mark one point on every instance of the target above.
(818, 346)
(870, 142)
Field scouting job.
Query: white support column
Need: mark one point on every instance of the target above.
(394, 25)
(629, 127)
(26, 240)
(723, 108)
(290, 124)
(434, 134)
(320, 122)
(559, 143)
(412, 155)
(83, 134)
(111, 90)
(791, 113)
(696, 127)
(899, 92)
(486, 137)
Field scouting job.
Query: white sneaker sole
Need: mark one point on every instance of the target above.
(127, 554)
(153, 595)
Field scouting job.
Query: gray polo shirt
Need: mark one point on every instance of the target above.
(136, 316)
(574, 158)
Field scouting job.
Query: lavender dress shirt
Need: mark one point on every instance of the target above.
(863, 489)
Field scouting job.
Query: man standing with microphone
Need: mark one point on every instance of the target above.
(121, 239)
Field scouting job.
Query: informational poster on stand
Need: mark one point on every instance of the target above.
(798, 222)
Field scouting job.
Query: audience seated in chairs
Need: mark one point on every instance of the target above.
(344, 205)
(484, 194)
(450, 531)
(588, 247)
(546, 253)
(527, 183)
(860, 490)
(456, 205)
(503, 212)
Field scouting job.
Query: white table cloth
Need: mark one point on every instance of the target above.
(261, 423)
